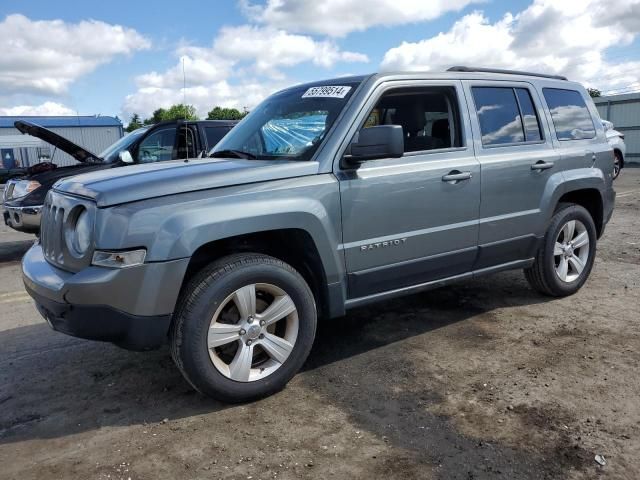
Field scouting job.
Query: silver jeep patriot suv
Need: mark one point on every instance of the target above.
(327, 196)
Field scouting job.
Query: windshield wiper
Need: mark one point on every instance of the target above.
(235, 153)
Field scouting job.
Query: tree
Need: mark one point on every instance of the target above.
(175, 112)
(181, 112)
(134, 124)
(221, 113)
(594, 92)
(157, 116)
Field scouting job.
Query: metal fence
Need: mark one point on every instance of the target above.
(624, 112)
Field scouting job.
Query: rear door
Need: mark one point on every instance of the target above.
(514, 147)
(405, 220)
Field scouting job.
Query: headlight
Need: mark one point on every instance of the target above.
(129, 258)
(23, 188)
(78, 231)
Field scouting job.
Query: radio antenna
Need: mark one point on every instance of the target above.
(184, 86)
(184, 103)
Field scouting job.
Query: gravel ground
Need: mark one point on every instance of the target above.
(485, 379)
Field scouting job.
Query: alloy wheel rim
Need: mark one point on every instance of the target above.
(571, 251)
(616, 166)
(252, 332)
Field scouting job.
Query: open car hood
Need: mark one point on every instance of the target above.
(67, 146)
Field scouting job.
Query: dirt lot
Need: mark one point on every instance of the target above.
(485, 379)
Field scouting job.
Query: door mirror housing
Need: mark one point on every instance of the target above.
(382, 141)
(125, 156)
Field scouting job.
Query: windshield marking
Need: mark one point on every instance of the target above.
(329, 91)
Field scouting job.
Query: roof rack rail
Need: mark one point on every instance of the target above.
(499, 70)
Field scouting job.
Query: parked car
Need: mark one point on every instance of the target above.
(616, 140)
(24, 195)
(328, 196)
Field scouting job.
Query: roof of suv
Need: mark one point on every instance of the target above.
(458, 73)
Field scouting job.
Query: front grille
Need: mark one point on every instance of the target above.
(51, 233)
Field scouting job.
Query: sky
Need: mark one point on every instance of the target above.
(118, 58)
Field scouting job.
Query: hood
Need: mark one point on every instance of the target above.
(141, 182)
(50, 176)
(67, 146)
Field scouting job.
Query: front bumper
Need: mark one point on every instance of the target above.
(23, 219)
(131, 307)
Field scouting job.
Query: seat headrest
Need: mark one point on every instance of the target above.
(440, 129)
(411, 118)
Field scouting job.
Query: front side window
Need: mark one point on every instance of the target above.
(158, 146)
(428, 116)
(571, 117)
(110, 154)
(289, 125)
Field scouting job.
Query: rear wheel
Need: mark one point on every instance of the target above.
(245, 326)
(566, 256)
(617, 164)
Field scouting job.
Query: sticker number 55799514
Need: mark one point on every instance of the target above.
(329, 91)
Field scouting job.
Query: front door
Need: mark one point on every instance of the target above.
(414, 219)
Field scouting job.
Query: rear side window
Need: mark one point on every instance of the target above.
(506, 115)
(529, 117)
(570, 115)
(215, 134)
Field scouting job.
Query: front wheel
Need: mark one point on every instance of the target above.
(565, 258)
(244, 327)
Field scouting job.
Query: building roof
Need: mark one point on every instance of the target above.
(620, 97)
(64, 121)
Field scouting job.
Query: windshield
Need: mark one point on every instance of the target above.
(110, 155)
(289, 125)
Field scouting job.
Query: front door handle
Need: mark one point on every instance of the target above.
(542, 165)
(455, 176)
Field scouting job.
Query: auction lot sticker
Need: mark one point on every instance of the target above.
(329, 91)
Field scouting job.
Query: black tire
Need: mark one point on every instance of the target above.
(617, 163)
(199, 302)
(542, 274)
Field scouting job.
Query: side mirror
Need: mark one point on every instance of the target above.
(382, 141)
(125, 156)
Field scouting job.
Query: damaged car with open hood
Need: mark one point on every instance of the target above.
(171, 140)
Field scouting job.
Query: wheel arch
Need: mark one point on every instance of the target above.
(618, 150)
(294, 246)
(588, 198)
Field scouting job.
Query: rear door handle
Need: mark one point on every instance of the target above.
(542, 165)
(455, 176)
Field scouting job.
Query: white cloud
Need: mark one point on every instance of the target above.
(47, 108)
(337, 18)
(204, 97)
(271, 48)
(227, 73)
(569, 40)
(46, 56)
